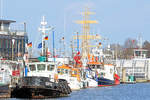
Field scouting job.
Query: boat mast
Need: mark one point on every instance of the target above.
(43, 29)
(86, 33)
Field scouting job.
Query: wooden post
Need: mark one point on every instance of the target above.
(123, 75)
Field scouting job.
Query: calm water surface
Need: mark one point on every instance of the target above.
(140, 91)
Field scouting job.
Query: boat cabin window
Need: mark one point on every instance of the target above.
(50, 67)
(102, 74)
(74, 72)
(58, 70)
(98, 66)
(32, 67)
(41, 67)
(93, 66)
(62, 71)
(111, 71)
(66, 71)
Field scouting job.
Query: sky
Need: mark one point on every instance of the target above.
(118, 19)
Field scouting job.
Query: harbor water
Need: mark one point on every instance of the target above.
(138, 91)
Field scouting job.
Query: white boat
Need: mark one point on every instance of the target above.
(42, 69)
(90, 78)
(71, 75)
(105, 71)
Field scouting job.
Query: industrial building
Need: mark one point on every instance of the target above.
(12, 40)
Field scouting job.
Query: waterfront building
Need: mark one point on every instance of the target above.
(12, 40)
(138, 66)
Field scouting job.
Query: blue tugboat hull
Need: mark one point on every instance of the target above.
(105, 82)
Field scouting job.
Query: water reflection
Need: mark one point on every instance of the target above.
(138, 91)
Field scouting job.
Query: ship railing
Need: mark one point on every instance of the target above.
(13, 32)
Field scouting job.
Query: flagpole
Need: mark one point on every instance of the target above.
(77, 42)
(54, 46)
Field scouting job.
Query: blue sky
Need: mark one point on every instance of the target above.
(118, 19)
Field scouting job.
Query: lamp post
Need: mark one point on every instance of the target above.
(13, 41)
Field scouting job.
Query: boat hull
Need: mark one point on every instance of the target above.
(40, 87)
(105, 82)
(92, 83)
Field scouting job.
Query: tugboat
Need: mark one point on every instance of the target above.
(41, 82)
(41, 78)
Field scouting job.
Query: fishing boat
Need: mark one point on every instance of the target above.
(105, 74)
(72, 75)
(90, 78)
(105, 71)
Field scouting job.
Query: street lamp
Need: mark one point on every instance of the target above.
(13, 41)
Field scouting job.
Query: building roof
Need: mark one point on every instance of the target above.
(140, 49)
(6, 21)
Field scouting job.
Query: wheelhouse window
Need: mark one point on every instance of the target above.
(32, 67)
(74, 72)
(66, 71)
(98, 66)
(111, 71)
(93, 66)
(58, 70)
(62, 71)
(41, 67)
(50, 67)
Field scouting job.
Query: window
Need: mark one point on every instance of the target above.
(50, 67)
(58, 70)
(111, 70)
(74, 72)
(98, 66)
(41, 67)
(93, 66)
(62, 71)
(32, 67)
(66, 71)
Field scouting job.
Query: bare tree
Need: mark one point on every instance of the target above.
(129, 46)
(146, 45)
(117, 48)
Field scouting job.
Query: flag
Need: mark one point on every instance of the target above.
(133, 41)
(29, 44)
(40, 45)
(100, 43)
(77, 58)
(63, 38)
(46, 38)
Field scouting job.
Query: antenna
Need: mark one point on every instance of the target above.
(1, 9)
(140, 41)
(64, 23)
(43, 29)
